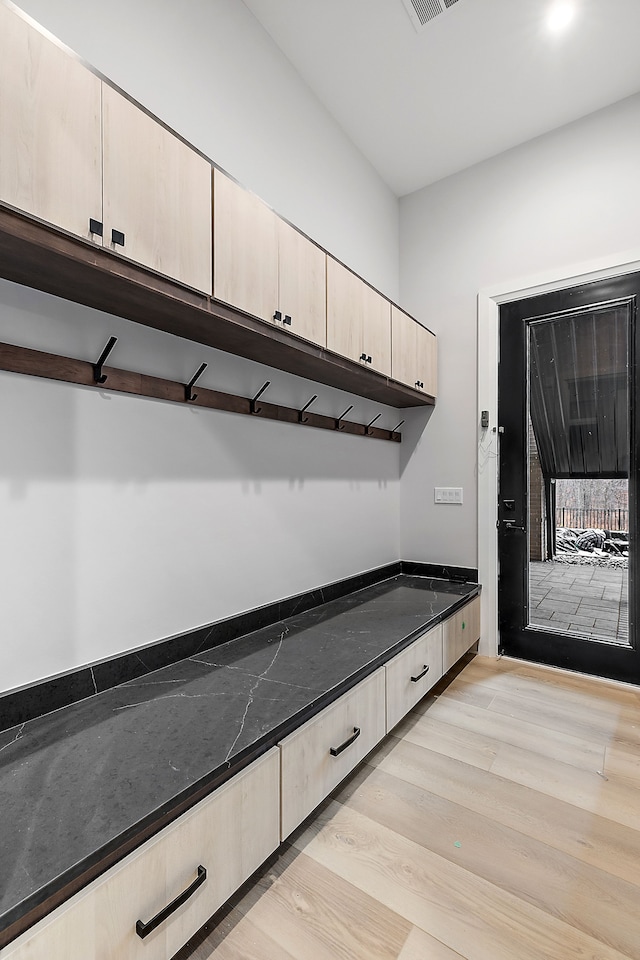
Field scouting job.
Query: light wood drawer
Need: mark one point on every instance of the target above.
(229, 833)
(412, 673)
(310, 770)
(460, 632)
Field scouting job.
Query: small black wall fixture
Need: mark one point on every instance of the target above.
(301, 416)
(252, 403)
(339, 423)
(367, 429)
(98, 375)
(397, 426)
(36, 363)
(188, 393)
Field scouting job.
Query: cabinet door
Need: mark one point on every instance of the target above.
(50, 143)
(157, 192)
(412, 673)
(344, 311)
(403, 347)
(376, 330)
(460, 632)
(303, 285)
(427, 360)
(245, 249)
(310, 770)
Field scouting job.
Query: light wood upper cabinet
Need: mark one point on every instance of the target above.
(302, 289)
(358, 319)
(264, 266)
(245, 249)
(413, 353)
(157, 193)
(50, 136)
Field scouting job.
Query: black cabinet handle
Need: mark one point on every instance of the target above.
(277, 315)
(334, 751)
(117, 237)
(420, 675)
(363, 356)
(144, 929)
(369, 360)
(287, 319)
(95, 227)
(420, 384)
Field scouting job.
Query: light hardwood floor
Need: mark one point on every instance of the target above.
(499, 821)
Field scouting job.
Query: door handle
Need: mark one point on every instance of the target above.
(512, 525)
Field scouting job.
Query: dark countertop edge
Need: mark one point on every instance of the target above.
(28, 912)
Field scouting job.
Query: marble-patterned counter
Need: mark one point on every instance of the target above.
(78, 784)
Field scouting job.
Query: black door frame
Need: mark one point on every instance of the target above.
(516, 638)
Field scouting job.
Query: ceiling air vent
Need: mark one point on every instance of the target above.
(422, 11)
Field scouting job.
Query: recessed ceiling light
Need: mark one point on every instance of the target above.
(560, 16)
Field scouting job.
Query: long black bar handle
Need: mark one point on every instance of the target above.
(98, 375)
(335, 751)
(421, 675)
(144, 929)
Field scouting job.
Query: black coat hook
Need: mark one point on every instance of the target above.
(252, 403)
(301, 418)
(339, 424)
(397, 426)
(188, 394)
(367, 429)
(98, 375)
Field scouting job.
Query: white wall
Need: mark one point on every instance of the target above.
(566, 198)
(127, 520)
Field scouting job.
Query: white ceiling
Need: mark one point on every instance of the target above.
(480, 78)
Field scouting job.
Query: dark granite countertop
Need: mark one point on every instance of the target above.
(78, 784)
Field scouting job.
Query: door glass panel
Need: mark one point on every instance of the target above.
(578, 497)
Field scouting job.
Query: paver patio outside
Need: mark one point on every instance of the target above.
(584, 599)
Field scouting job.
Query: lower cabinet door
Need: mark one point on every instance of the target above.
(460, 632)
(317, 756)
(226, 836)
(412, 673)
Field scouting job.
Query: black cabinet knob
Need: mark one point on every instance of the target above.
(117, 238)
(420, 384)
(95, 227)
(277, 315)
(287, 320)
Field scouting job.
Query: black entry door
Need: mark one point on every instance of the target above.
(568, 389)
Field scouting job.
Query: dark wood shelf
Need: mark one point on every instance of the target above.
(39, 256)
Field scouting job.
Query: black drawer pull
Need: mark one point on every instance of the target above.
(277, 316)
(144, 929)
(117, 238)
(420, 675)
(334, 751)
(95, 227)
(287, 320)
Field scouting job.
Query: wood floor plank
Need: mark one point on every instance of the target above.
(593, 839)
(613, 799)
(463, 911)
(585, 897)
(311, 912)
(420, 946)
(576, 722)
(605, 691)
(488, 728)
(237, 938)
(465, 745)
(587, 703)
(623, 763)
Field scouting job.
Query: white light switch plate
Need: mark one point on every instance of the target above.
(448, 494)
